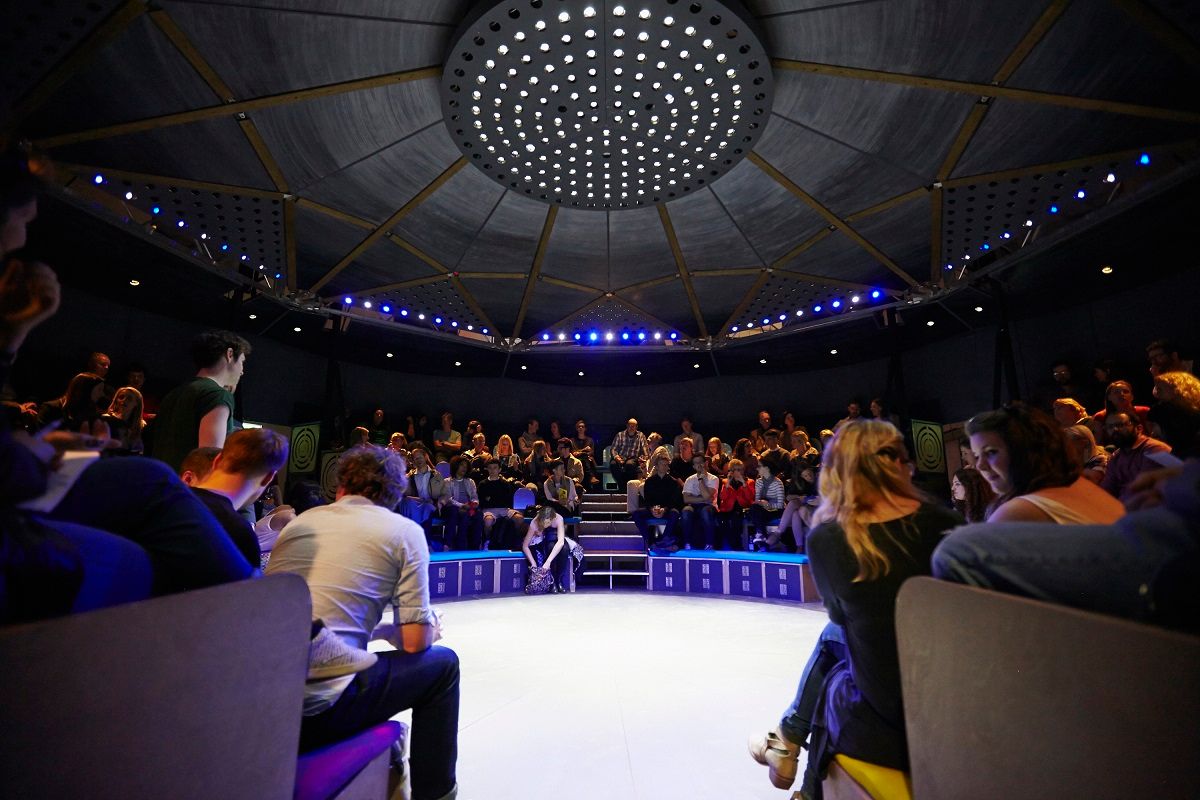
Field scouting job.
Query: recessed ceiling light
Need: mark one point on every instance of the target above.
(833, 352)
(458, 363)
(639, 372)
(391, 355)
(296, 329)
(524, 367)
(581, 373)
(695, 366)
(930, 323)
(762, 361)
(979, 308)
(254, 316)
(135, 282)
(1107, 270)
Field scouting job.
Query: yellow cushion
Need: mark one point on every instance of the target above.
(882, 783)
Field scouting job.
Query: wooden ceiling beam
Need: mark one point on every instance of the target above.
(391, 287)
(535, 269)
(240, 106)
(104, 33)
(498, 276)
(648, 284)
(386, 226)
(1161, 28)
(579, 287)
(335, 213)
(990, 90)
(684, 274)
(728, 272)
(289, 243)
(833, 219)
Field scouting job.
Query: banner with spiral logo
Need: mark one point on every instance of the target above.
(303, 451)
(930, 448)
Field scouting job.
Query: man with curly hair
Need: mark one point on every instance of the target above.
(358, 556)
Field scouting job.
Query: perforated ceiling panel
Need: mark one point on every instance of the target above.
(433, 305)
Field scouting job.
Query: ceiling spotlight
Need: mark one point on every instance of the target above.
(458, 363)
(296, 329)
(1080, 194)
(523, 367)
(421, 316)
(657, 336)
(1107, 270)
(734, 329)
(367, 304)
(855, 298)
(390, 355)
(695, 366)
(129, 195)
(562, 337)
(833, 352)
(254, 316)
(762, 361)
(135, 282)
(978, 308)
(99, 179)
(1110, 178)
(638, 373)
(930, 323)
(581, 373)
(608, 337)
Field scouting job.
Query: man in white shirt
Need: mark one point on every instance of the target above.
(358, 557)
(699, 513)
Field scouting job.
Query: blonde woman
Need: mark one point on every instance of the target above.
(874, 530)
(124, 418)
(510, 463)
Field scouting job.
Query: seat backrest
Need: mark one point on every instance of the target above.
(523, 498)
(1010, 697)
(192, 696)
(443, 468)
(606, 456)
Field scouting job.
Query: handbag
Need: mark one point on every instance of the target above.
(541, 581)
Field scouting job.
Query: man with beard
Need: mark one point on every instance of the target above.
(1134, 454)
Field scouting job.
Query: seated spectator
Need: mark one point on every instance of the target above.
(501, 522)
(663, 500)
(826, 436)
(755, 436)
(882, 413)
(583, 447)
(768, 503)
(198, 465)
(1066, 385)
(536, 466)
(378, 429)
(699, 518)
(735, 495)
(1068, 412)
(301, 496)
(1091, 457)
(971, 494)
(801, 498)
(1164, 357)
(124, 419)
(874, 530)
(1134, 454)
(424, 490)
(241, 470)
(358, 557)
(460, 508)
(573, 466)
(1144, 567)
(418, 430)
(473, 427)
(398, 443)
(477, 457)
(525, 440)
(1177, 413)
(98, 364)
(802, 449)
(853, 412)
(510, 462)
(1023, 454)
(654, 441)
(360, 436)
(79, 409)
(547, 548)
(714, 454)
(447, 442)
(686, 432)
(743, 452)
(200, 412)
(633, 489)
(558, 491)
(628, 448)
(772, 448)
(789, 426)
(555, 431)
(1117, 398)
(681, 465)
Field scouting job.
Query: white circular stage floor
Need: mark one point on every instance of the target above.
(622, 695)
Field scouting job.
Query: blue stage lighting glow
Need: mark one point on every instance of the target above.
(404, 312)
(625, 336)
(577, 337)
(545, 337)
(155, 210)
(817, 309)
(1053, 209)
(1080, 194)
(1144, 159)
(674, 335)
(855, 299)
(348, 300)
(385, 308)
(593, 336)
(985, 246)
(485, 330)
(836, 304)
(875, 294)
(437, 320)
(453, 324)
(782, 317)
(641, 336)
(99, 179)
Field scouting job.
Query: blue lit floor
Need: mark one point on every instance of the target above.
(622, 695)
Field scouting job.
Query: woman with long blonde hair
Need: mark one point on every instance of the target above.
(873, 530)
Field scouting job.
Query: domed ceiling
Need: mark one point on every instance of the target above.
(542, 175)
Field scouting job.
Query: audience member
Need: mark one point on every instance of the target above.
(743, 450)
(686, 432)
(358, 557)
(301, 496)
(681, 464)
(1068, 412)
(424, 489)
(447, 442)
(768, 503)
(546, 548)
(1134, 455)
(460, 508)
(124, 419)
(628, 448)
(789, 426)
(853, 412)
(1163, 355)
(536, 465)
(500, 520)
(772, 449)
(735, 496)
(240, 471)
(558, 491)
(79, 408)
(756, 436)
(583, 447)
(1066, 385)
(571, 465)
(881, 412)
(98, 364)
(971, 494)
(555, 431)
(802, 449)
(473, 427)
(379, 431)
(714, 454)
(874, 530)
(200, 412)
(663, 503)
(360, 435)
(510, 462)
(966, 456)
(418, 431)
(1177, 413)
(198, 465)
(1091, 457)
(801, 498)
(1023, 454)
(1118, 397)
(525, 440)
(398, 443)
(699, 518)
(825, 436)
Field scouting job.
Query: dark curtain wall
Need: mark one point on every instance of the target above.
(946, 381)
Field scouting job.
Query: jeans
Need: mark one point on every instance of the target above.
(141, 500)
(426, 682)
(831, 648)
(702, 516)
(643, 519)
(729, 529)
(464, 530)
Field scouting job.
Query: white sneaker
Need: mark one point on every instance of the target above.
(330, 657)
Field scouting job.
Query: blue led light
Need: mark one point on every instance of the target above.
(386, 308)
(625, 336)
(99, 179)
(1080, 194)
(1053, 209)
(985, 246)
(641, 336)
(404, 312)
(766, 320)
(224, 247)
(578, 337)
(836, 304)
(817, 309)
(155, 210)
(593, 336)
(674, 335)
(1144, 159)
(437, 320)
(278, 276)
(545, 337)
(485, 330)
(348, 300)
(875, 294)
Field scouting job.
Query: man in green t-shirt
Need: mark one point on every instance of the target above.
(200, 412)
(447, 442)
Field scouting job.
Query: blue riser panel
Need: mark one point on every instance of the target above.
(745, 579)
(706, 577)
(443, 579)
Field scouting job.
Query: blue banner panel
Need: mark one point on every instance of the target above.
(443, 579)
(706, 576)
(746, 579)
(479, 577)
(668, 575)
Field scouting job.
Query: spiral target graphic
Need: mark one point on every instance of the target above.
(329, 464)
(930, 452)
(304, 448)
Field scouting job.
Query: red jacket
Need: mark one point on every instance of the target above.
(728, 497)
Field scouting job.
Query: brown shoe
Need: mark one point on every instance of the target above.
(780, 756)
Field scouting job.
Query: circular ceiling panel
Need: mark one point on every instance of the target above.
(595, 104)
